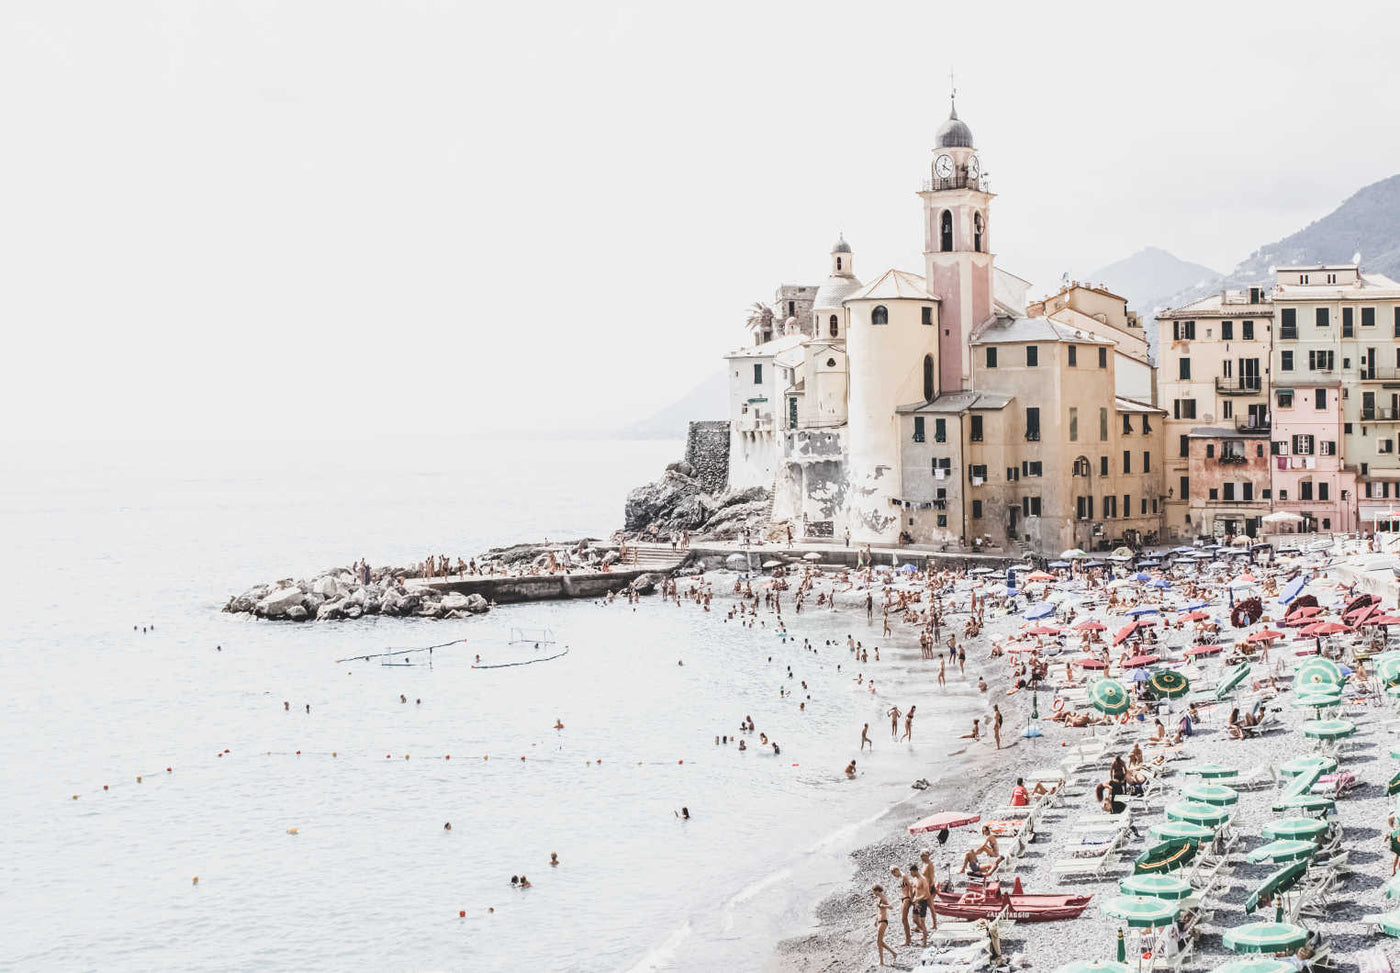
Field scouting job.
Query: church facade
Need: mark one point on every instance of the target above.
(941, 408)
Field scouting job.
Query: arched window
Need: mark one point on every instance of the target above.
(977, 232)
(880, 315)
(928, 378)
(1081, 466)
(945, 231)
(838, 263)
(835, 328)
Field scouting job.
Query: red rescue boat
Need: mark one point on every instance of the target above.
(990, 900)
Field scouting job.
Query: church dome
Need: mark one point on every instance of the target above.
(841, 246)
(954, 133)
(832, 293)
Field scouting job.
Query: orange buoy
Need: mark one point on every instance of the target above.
(388, 756)
(680, 761)
(196, 880)
(167, 770)
(522, 757)
(138, 778)
(448, 757)
(405, 756)
(75, 797)
(298, 753)
(104, 787)
(461, 913)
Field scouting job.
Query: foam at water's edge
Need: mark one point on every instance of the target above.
(661, 955)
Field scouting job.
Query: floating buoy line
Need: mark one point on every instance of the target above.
(518, 636)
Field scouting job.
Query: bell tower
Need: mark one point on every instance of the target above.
(957, 248)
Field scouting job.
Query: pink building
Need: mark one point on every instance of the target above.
(1308, 476)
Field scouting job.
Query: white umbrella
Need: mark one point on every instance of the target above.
(772, 564)
(813, 556)
(1281, 517)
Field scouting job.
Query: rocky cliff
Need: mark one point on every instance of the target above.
(679, 501)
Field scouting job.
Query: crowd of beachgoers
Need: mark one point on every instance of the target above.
(1194, 761)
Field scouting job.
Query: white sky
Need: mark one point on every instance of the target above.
(343, 218)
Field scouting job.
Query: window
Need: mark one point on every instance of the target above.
(1320, 398)
(1032, 356)
(1368, 317)
(1229, 489)
(1033, 423)
(1321, 319)
(1183, 330)
(1284, 397)
(991, 358)
(1110, 507)
(940, 430)
(1227, 409)
(1127, 461)
(1127, 424)
(1184, 408)
(975, 434)
(918, 429)
(880, 315)
(1074, 353)
(1321, 361)
(945, 231)
(928, 378)
(834, 327)
(1327, 447)
(1103, 466)
(942, 520)
(758, 373)
(1030, 506)
(1146, 424)
(1288, 323)
(1305, 490)
(977, 232)
(1146, 461)
(943, 463)
(977, 510)
(1103, 357)
(1103, 424)
(1214, 493)
(1184, 446)
(1322, 490)
(1037, 468)
(926, 315)
(1385, 446)
(1012, 474)
(1073, 423)
(1278, 447)
(978, 472)
(1303, 446)
(1347, 330)
(1185, 488)
(1144, 506)
(1081, 466)
(1247, 330)
(1397, 321)
(1227, 331)
(1247, 489)
(1210, 450)
(1183, 369)
(1127, 505)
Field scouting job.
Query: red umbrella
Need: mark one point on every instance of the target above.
(1044, 630)
(1091, 626)
(1146, 622)
(943, 819)
(1383, 620)
(1125, 631)
(1140, 660)
(1306, 610)
(1267, 635)
(1196, 616)
(1203, 650)
(1324, 628)
(1089, 662)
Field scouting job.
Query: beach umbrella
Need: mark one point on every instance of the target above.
(1181, 831)
(1392, 888)
(1090, 662)
(1281, 517)
(1132, 662)
(1141, 911)
(1275, 884)
(1389, 669)
(1094, 966)
(1059, 564)
(1168, 683)
(1139, 675)
(1393, 788)
(1159, 583)
(736, 559)
(1142, 576)
(1196, 650)
(1217, 794)
(1124, 632)
(1041, 576)
(1383, 620)
(1089, 625)
(1389, 923)
(1211, 771)
(942, 821)
(1254, 964)
(814, 556)
(1328, 729)
(1167, 887)
(1039, 611)
(1283, 850)
(1195, 616)
(1305, 802)
(1309, 828)
(1072, 554)
(1193, 812)
(1165, 856)
(1194, 606)
(1109, 696)
(1318, 701)
(1093, 564)
(1142, 610)
(772, 564)
(1291, 590)
(1265, 635)
(1317, 670)
(1265, 937)
(1236, 677)
(907, 568)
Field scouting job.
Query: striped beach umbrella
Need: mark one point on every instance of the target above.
(1181, 831)
(1165, 856)
(1211, 771)
(1388, 668)
(1309, 828)
(1193, 812)
(1109, 696)
(1390, 923)
(1299, 765)
(1094, 966)
(1167, 887)
(1254, 964)
(1392, 888)
(1328, 729)
(1277, 883)
(1283, 850)
(1141, 911)
(1317, 670)
(1307, 803)
(1217, 794)
(1393, 788)
(1265, 937)
(1168, 683)
(1317, 701)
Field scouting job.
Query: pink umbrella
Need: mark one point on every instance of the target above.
(1044, 630)
(1124, 632)
(1140, 660)
(1196, 616)
(1267, 635)
(1091, 626)
(1041, 576)
(1383, 620)
(943, 819)
(1089, 662)
(1203, 650)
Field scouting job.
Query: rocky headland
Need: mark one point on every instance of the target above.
(678, 501)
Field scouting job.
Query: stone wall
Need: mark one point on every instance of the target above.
(707, 450)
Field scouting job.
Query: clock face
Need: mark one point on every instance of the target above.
(973, 167)
(943, 166)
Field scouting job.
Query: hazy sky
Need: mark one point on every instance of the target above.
(337, 219)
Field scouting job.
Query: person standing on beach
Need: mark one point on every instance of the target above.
(865, 737)
(996, 724)
(869, 608)
(906, 901)
(942, 671)
(921, 901)
(909, 724)
(848, 544)
(894, 715)
(882, 922)
(929, 880)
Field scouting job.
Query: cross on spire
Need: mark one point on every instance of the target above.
(953, 93)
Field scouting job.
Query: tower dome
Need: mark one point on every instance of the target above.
(953, 133)
(841, 246)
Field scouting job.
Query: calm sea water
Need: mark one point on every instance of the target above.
(98, 540)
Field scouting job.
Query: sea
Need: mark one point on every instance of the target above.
(171, 803)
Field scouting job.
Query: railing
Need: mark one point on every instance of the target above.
(1379, 415)
(1247, 385)
(1232, 459)
(933, 184)
(1032, 435)
(1250, 424)
(919, 437)
(1288, 334)
(1379, 374)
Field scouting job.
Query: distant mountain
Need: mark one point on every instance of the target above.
(1151, 275)
(708, 400)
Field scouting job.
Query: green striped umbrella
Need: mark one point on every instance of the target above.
(1393, 788)
(1304, 802)
(1217, 794)
(1392, 888)
(1109, 696)
(1309, 828)
(1168, 683)
(1392, 691)
(1141, 911)
(1388, 668)
(1390, 923)
(1156, 886)
(1395, 842)
(1283, 850)
(1165, 856)
(1181, 831)
(1277, 882)
(1265, 937)
(1395, 753)
(1235, 678)
(1317, 670)
(1316, 700)
(1212, 771)
(1299, 765)
(1194, 813)
(1094, 966)
(1254, 964)
(1328, 729)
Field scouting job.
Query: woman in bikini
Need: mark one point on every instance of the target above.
(906, 900)
(882, 922)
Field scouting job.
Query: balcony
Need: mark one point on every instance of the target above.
(1380, 415)
(1032, 435)
(933, 184)
(754, 423)
(1252, 424)
(1379, 374)
(1232, 459)
(1247, 385)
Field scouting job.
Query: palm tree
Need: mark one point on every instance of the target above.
(759, 314)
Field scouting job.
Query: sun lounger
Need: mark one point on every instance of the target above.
(1093, 868)
(1255, 777)
(1374, 961)
(974, 956)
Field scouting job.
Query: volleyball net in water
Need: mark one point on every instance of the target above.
(536, 638)
(533, 636)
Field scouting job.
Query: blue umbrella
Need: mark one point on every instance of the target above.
(1040, 611)
(1141, 576)
(1183, 550)
(908, 569)
(1059, 564)
(1291, 590)
(1159, 583)
(1140, 674)
(1195, 606)
(1093, 564)
(1142, 610)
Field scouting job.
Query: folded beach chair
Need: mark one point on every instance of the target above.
(1091, 868)
(1256, 777)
